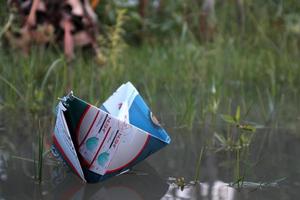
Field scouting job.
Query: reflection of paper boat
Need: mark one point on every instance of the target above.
(127, 186)
(100, 143)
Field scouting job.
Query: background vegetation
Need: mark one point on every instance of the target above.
(179, 55)
(233, 67)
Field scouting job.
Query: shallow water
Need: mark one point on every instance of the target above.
(273, 154)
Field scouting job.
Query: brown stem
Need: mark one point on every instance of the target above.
(31, 20)
(240, 14)
(68, 40)
(206, 28)
(142, 8)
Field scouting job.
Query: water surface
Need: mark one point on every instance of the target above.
(273, 154)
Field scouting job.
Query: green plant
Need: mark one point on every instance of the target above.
(112, 43)
(38, 164)
(180, 182)
(245, 132)
(198, 166)
(242, 184)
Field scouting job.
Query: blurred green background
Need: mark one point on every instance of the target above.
(197, 57)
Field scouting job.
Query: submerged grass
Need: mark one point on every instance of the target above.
(38, 156)
(242, 184)
(198, 166)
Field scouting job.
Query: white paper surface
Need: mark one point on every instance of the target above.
(104, 138)
(64, 142)
(119, 103)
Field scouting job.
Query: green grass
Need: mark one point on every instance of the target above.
(176, 78)
(198, 166)
(187, 83)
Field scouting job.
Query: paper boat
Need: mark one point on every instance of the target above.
(98, 143)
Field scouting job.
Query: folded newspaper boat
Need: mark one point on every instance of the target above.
(98, 143)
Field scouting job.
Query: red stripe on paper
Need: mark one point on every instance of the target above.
(99, 147)
(90, 128)
(137, 155)
(80, 122)
(60, 149)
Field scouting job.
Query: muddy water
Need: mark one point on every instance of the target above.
(273, 154)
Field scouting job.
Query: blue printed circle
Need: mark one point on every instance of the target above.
(103, 158)
(91, 143)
